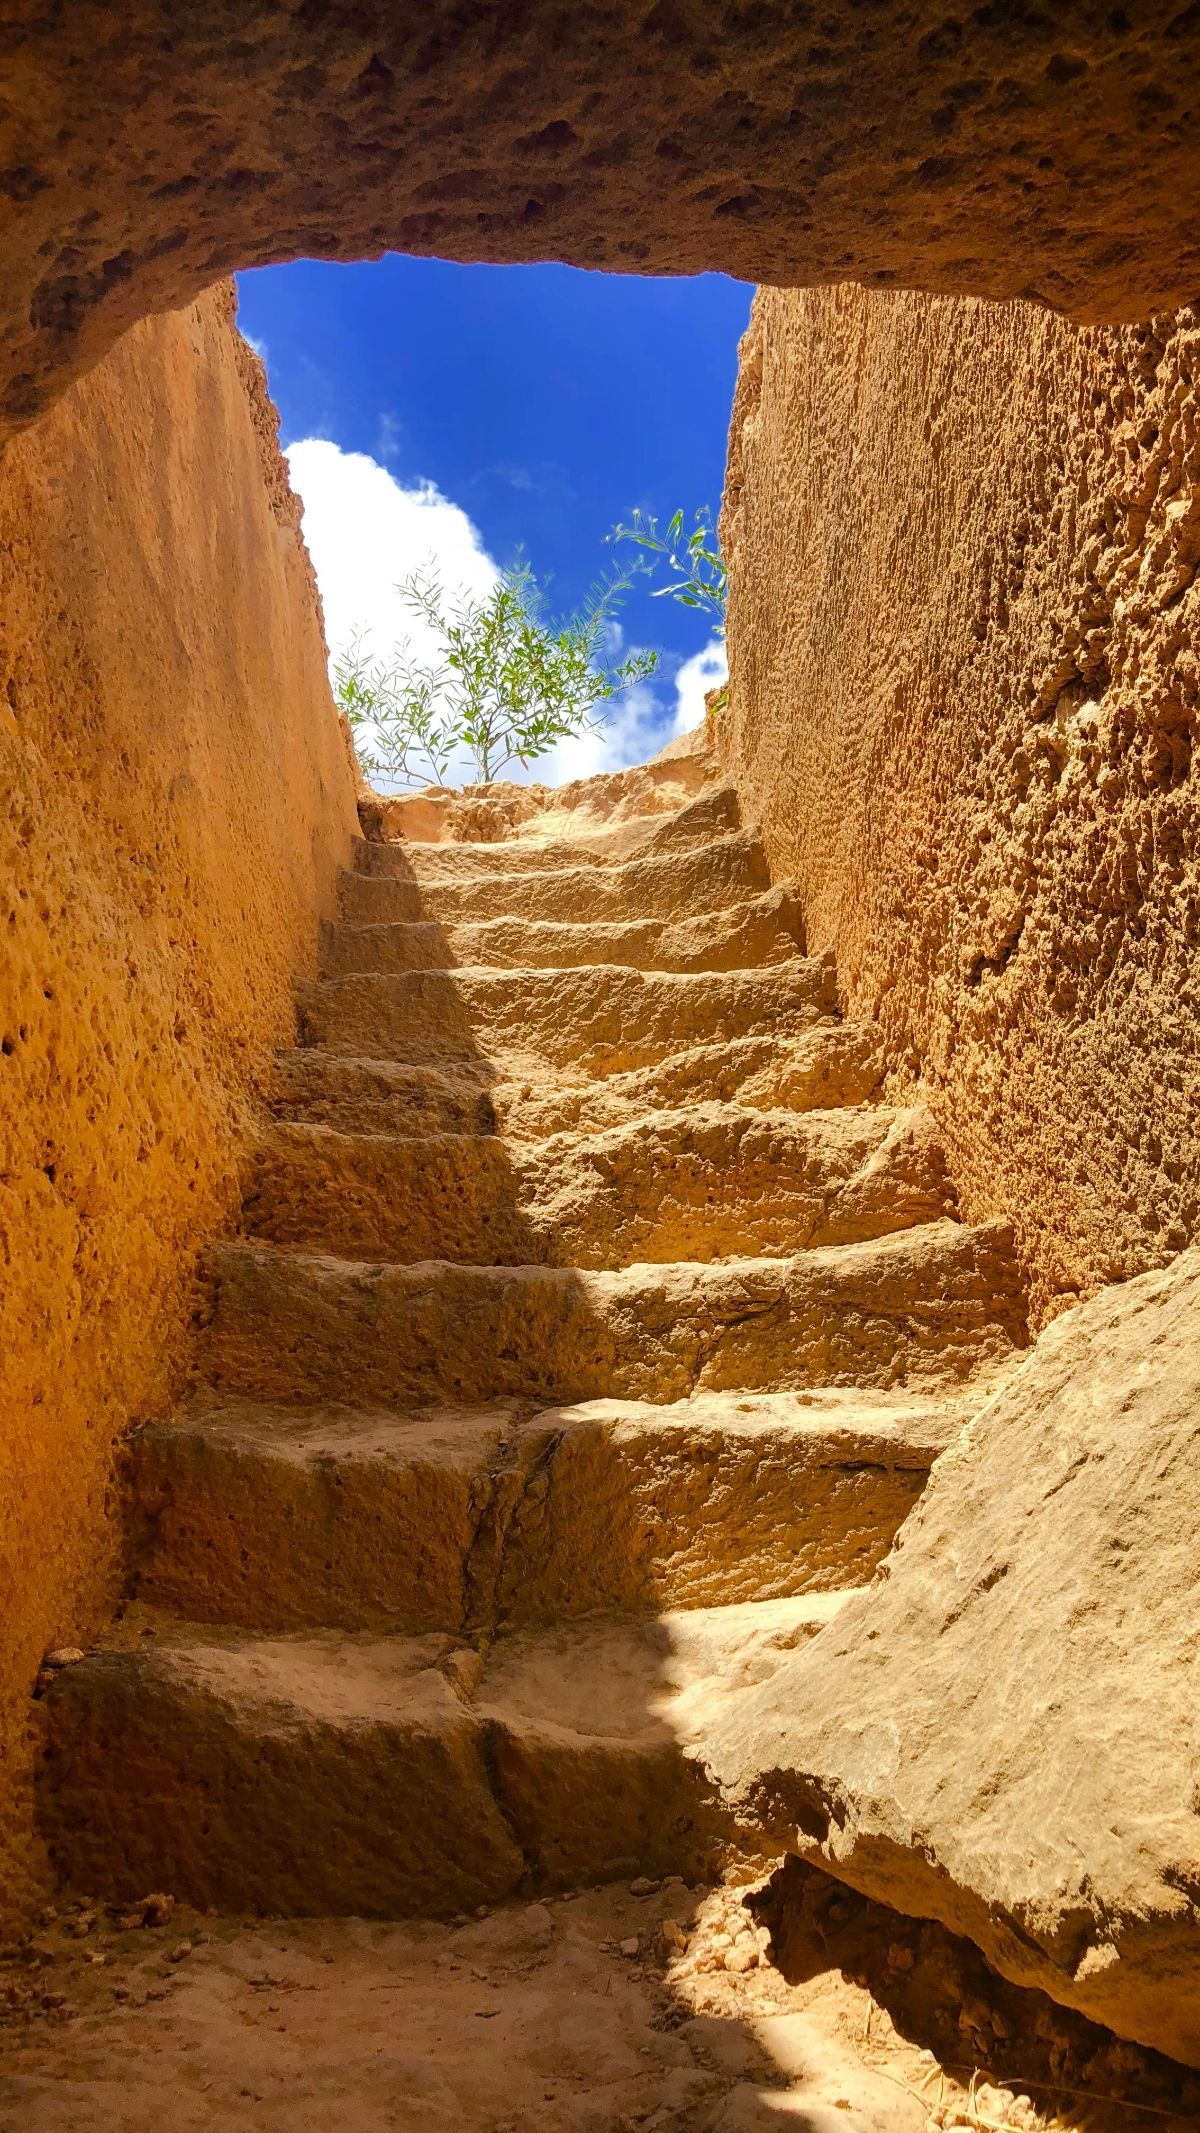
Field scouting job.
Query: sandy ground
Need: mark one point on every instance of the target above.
(604, 2013)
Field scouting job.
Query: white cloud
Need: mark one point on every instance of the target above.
(705, 670)
(636, 728)
(391, 432)
(259, 347)
(365, 532)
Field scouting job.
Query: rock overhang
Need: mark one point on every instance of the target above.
(145, 153)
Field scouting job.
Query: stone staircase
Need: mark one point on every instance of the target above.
(591, 1335)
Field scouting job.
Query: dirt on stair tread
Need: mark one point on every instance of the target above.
(607, 1674)
(602, 2012)
(597, 2013)
(631, 1678)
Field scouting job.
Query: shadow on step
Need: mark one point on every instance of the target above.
(401, 1642)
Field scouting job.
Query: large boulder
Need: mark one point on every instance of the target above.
(1003, 1731)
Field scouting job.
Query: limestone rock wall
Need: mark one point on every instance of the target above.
(999, 1731)
(1031, 151)
(965, 647)
(176, 800)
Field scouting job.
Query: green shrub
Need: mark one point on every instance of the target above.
(699, 577)
(505, 684)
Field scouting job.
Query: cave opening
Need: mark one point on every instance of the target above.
(449, 425)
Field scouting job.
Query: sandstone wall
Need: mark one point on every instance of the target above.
(176, 800)
(964, 637)
(1000, 1731)
(1045, 152)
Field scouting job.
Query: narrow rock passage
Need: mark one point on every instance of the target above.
(593, 1331)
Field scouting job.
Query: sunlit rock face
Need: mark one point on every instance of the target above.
(1000, 1731)
(144, 151)
(177, 798)
(963, 545)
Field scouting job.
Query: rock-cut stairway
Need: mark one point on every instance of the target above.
(591, 1334)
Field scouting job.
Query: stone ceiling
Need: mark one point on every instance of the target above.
(1046, 151)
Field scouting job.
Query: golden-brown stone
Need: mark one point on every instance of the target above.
(703, 1182)
(965, 610)
(927, 1307)
(470, 1519)
(177, 802)
(144, 152)
(1001, 1731)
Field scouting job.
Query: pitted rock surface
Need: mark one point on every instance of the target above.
(592, 1334)
(144, 153)
(964, 548)
(1001, 1732)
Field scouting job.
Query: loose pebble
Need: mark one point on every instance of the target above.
(150, 1911)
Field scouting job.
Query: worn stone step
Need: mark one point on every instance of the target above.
(670, 885)
(474, 1518)
(382, 1777)
(603, 1021)
(710, 815)
(767, 929)
(927, 1307)
(828, 1064)
(697, 1184)
(410, 859)
(608, 812)
(314, 1087)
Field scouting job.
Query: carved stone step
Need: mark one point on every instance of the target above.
(671, 885)
(766, 929)
(830, 1063)
(697, 1184)
(925, 1308)
(602, 1020)
(385, 1776)
(473, 1518)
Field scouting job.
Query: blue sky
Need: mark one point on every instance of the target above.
(501, 407)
